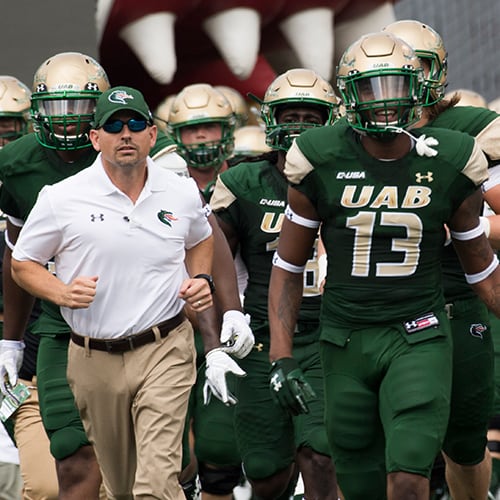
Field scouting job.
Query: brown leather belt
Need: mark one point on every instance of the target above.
(129, 342)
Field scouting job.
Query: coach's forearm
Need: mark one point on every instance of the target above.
(37, 280)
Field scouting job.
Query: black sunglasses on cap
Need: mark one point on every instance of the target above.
(116, 126)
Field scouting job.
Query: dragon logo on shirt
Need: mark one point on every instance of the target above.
(477, 330)
(166, 217)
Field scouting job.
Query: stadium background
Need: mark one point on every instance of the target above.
(30, 32)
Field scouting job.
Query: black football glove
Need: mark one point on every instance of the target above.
(289, 387)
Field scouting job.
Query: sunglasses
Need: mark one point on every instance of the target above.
(116, 126)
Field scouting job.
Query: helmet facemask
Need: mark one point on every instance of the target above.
(279, 134)
(63, 122)
(200, 105)
(207, 154)
(11, 128)
(380, 100)
(433, 88)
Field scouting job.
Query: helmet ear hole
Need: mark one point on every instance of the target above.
(65, 90)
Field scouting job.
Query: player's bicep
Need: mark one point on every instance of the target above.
(301, 205)
(299, 230)
(466, 217)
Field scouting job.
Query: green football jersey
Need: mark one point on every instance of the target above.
(25, 167)
(475, 121)
(163, 143)
(484, 125)
(251, 198)
(382, 221)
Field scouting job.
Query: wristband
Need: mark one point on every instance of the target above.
(482, 275)
(298, 219)
(209, 280)
(468, 235)
(287, 266)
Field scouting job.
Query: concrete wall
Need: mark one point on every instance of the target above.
(471, 33)
(31, 32)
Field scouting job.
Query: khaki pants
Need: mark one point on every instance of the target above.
(133, 406)
(38, 468)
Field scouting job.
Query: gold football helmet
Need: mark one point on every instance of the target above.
(298, 87)
(198, 104)
(238, 103)
(14, 108)
(429, 47)
(65, 90)
(250, 140)
(162, 111)
(380, 79)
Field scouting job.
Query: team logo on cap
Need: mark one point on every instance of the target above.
(119, 97)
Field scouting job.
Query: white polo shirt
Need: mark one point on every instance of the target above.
(136, 250)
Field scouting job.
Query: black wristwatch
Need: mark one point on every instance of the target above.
(209, 279)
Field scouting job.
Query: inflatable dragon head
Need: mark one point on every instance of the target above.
(161, 46)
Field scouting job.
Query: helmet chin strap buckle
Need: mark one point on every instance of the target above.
(422, 143)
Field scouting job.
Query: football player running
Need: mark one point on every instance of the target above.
(249, 200)
(382, 196)
(201, 122)
(468, 462)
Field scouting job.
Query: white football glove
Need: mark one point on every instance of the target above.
(236, 336)
(218, 364)
(11, 359)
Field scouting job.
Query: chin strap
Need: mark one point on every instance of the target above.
(422, 143)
